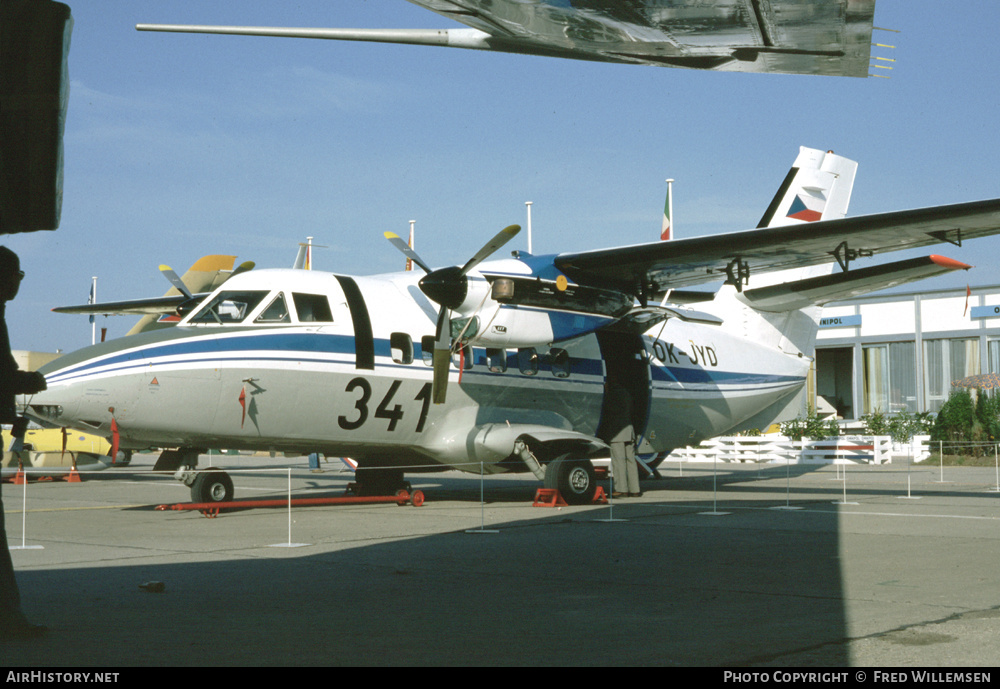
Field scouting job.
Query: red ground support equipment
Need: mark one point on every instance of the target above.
(212, 509)
(550, 497)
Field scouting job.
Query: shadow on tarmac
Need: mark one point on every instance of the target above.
(667, 587)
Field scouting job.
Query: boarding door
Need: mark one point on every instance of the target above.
(627, 362)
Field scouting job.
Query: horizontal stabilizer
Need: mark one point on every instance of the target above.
(846, 285)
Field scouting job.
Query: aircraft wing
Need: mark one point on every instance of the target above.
(645, 269)
(830, 37)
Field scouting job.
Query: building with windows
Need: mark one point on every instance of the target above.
(901, 352)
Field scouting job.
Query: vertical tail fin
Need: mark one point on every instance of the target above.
(818, 187)
(303, 259)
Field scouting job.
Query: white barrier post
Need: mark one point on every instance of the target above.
(24, 522)
(996, 463)
(482, 505)
(715, 511)
(788, 491)
(909, 463)
(941, 462)
(289, 544)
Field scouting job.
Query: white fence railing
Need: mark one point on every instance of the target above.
(867, 449)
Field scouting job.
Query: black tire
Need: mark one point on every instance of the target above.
(575, 480)
(374, 481)
(212, 485)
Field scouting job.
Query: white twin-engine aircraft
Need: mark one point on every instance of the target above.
(502, 364)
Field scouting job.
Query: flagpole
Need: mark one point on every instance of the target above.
(528, 204)
(667, 228)
(409, 261)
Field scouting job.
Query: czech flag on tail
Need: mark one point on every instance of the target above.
(807, 208)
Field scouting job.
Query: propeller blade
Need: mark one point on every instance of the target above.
(502, 237)
(398, 242)
(442, 357)
(448, 287)
(178, 284)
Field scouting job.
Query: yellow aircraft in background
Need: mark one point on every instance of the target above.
(44, 453)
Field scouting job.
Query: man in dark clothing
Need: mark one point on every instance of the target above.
(620, 436)
(13, 623)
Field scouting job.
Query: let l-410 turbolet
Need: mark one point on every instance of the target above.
(502, 365)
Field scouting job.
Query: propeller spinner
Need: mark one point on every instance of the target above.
(449, 288)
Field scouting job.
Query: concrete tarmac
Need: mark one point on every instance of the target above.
(705, 569)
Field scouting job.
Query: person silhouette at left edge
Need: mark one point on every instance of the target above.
(13, 382)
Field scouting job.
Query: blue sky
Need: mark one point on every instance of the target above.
(178, 146)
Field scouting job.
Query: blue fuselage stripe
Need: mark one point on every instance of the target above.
(340, 350)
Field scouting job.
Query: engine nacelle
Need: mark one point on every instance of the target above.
(518, 326)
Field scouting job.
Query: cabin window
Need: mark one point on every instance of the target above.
(559, 360)
(276, 311)
(527, 361)
(496, 360)
(402, 348)
(427, 347)
(229, 307)
(312, 308)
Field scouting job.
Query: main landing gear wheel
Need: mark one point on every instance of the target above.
(575, 480)
(212, 485)
(369, 481)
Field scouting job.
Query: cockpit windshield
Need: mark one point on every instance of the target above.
(229, 307)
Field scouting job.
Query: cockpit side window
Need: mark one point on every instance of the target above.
(229, 307)
(276, 312)
(312, 308)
